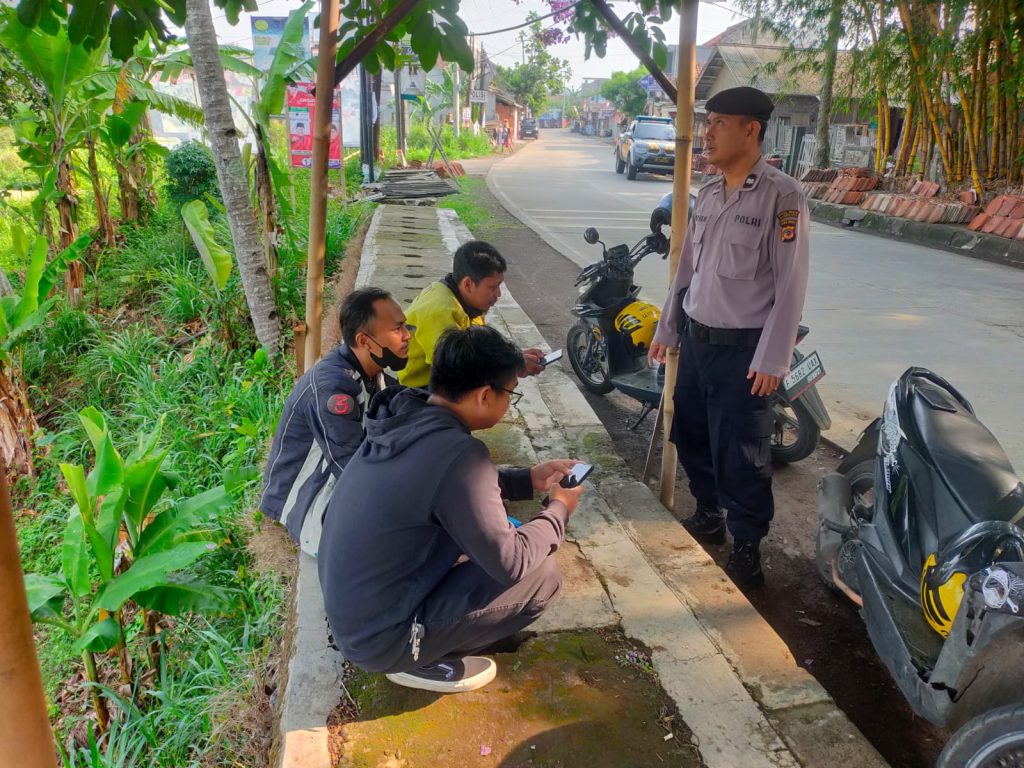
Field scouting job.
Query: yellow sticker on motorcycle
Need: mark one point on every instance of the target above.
(637, 322)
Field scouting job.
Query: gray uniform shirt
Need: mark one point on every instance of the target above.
(744, 264)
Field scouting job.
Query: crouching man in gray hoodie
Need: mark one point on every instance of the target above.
(420, 493)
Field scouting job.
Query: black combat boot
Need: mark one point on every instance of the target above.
(706, 525)
(744, 566)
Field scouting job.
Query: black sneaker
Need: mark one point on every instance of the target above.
(706, 525)
(744, 566)
(457, 676)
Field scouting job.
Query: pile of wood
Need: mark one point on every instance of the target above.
(400, 184)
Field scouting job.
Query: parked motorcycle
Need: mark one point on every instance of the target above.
(608, 345)
(919, 527)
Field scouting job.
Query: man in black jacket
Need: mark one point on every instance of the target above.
(322, 422)
(419, 494)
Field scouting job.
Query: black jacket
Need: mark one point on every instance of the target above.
(420, 492)
(320, 428)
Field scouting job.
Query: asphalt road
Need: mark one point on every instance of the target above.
(875, 306)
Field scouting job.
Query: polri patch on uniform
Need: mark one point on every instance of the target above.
(341, 405)
(750, 181)
(787, 221)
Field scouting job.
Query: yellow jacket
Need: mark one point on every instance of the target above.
(431, 313)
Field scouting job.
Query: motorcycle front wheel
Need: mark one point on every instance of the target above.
(588, 357)
(796, 433)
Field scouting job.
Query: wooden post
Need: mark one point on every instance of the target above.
(685, 80)
(24, 727)
(329, 17)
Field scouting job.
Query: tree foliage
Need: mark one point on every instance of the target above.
(541, 75)
(625, 92)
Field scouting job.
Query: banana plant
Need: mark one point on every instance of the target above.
(19, 315)
(123, 543)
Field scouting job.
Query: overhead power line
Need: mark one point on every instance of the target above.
(527, 23)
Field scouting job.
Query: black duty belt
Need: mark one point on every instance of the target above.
(723, 337)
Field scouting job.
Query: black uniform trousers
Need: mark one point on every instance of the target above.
(722, 434)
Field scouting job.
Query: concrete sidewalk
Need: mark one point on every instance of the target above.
(627, 562)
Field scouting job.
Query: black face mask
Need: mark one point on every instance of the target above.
(387, 358)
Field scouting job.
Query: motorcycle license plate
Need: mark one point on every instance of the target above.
(805, 375)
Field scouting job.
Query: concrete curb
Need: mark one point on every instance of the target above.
(945, 236)
(734, 681)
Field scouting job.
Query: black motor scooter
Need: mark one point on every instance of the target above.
(919, 527)
(608, 345)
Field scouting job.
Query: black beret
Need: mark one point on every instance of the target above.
(742, 101)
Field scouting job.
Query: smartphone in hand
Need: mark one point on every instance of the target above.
(551, 357)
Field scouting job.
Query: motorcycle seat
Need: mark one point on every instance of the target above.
(965, 453)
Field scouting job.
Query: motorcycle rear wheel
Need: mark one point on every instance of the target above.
(991, 740)
(589, 359)
(796, 433)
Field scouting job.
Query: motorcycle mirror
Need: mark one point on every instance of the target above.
(591, 235)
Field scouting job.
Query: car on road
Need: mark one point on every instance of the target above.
(528, 129)
(648, 145)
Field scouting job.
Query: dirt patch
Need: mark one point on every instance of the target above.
(341, 285)
(561, 700)
(825, 634)
(272, 549)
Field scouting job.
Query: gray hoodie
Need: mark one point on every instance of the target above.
(420, 492)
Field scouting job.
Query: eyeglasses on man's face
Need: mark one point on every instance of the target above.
(513, 396)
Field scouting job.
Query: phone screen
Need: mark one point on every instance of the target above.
(578, 475)
(551, 357)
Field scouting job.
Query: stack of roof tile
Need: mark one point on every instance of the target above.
(1004, 216)
(816, 182)
(851, 187)
(920, 205)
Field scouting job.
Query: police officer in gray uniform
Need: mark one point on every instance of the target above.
(733, 310)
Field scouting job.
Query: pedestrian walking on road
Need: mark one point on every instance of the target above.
(733, 310)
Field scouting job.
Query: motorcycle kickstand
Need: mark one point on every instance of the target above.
(647, 408)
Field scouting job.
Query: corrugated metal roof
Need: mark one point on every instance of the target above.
(762, 67)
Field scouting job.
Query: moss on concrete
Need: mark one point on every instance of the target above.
(560, 701)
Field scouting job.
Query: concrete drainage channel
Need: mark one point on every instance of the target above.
(734, 682)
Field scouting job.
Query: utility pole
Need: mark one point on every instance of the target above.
(341, 150)
(457, 122)
(399, 114)
(329, 19)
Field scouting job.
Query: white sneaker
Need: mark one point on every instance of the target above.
(467, 674)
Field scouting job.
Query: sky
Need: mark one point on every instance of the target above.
(487, 15)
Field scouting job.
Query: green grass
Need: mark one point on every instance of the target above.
(153, 340)
(474, 215)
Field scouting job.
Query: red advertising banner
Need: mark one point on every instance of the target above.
(301, 113)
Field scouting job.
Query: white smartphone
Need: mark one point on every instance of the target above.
(551, 357)
(579, 473)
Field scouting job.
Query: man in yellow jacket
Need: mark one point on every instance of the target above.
(460, 300)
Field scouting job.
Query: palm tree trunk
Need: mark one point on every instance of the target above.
(822, 148)
(231, 173)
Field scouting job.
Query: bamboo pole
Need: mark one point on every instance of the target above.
(929, 107)
(329, 19)
(685, 79)
(24, 727)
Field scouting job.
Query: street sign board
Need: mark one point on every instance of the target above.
(649, 84)
(477, 96)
